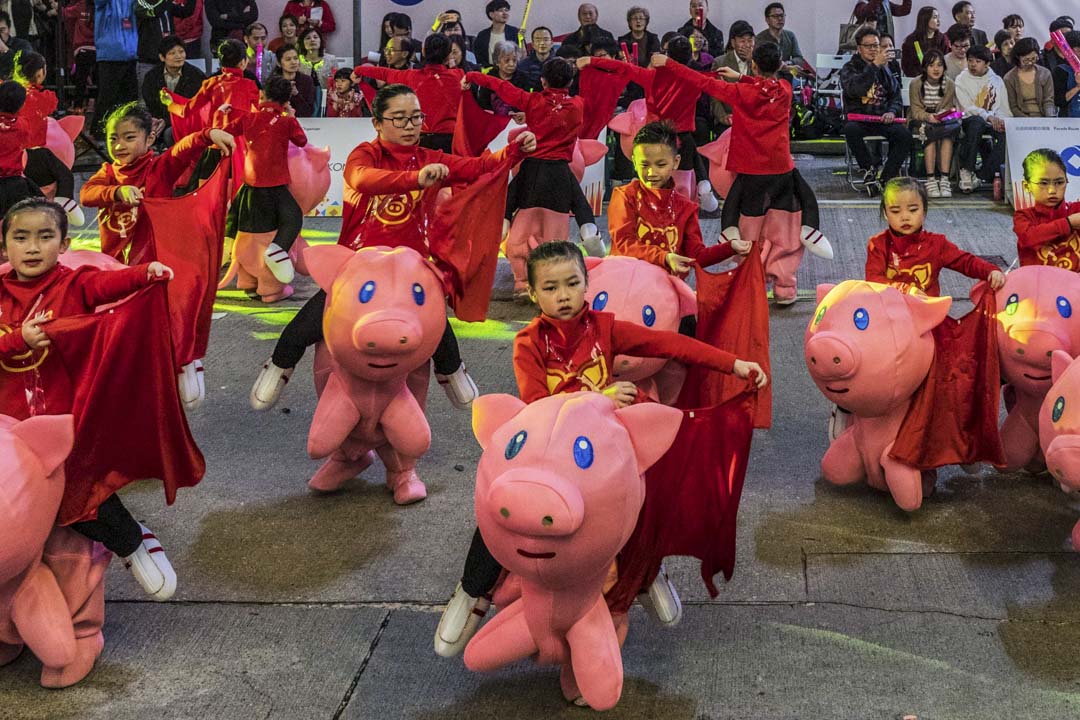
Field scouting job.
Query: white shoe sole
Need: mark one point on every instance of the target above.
(459, 387)
(662, 601)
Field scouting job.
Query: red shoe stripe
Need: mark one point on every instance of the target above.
(278, 253)
(157, 549)
(478, 612)
(149, 536)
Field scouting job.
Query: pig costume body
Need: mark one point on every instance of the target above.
(52, 596)
(1038, 313)
(558, 492)
(868, 349)
(384, 316)
(1059, 427)
(642, 293)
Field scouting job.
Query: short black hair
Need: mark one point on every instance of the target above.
(168, 43)
(31, 204)
(959, 7)
(679, 50)
(866, 31)
(740, 28)
(251, 28)
(436, 49)
(658, 132)
(1011, 21)
(557, 72)
(1023, 46)
(568, 51)
(1062, 22)
(285, 17)
(277, 89)
(401, 20)
(773, 6)
(1072, 39)
(5, 18)
(541, 28)
(767, 57)
(387, 93)
(343, 74)
(1000, 38)
(494, 5)
(231, 53)
(280, 52)
(27, 64)
(958, 32)
(605, 44)
(983, 53)
(12, 97)
(554, 250)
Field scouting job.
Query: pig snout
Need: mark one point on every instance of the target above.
(1034, 343)
(383, 333)
(830, 357)
(536, 503)
(1063, 460)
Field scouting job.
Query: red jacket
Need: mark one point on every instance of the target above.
(13, 141)
(554, 356)
(157, 176)
(39, 105)
(266, 135)
(230, 87)
(552, 115)
(914, 261)
(667, 95)
(60, 292)
(649, 224)
(1045, 237)
(760, 128)
(384, 203)
(297, 9)
(437, 87)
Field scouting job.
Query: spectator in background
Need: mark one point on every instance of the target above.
(10, 45)
(699, 18)
(394, 24)
(343, 99)
(498, 11)
(881, 13)
(1003, 44)
(20, 19)
(542, 42)
(175, 74)
(303, 89)
(775, 19)
(454, 28)
(1051, 56)
(963, 13)
(982, 96)
(229, 18)
(932, 94)
(637, 20)
(927, 36)
(1067, 82)
(398, 53)
(1014, 24)
(1030, 86)
(314, 61)
(190, 30)
(115, 40)
(79, 21)
(289, 33)
(959, 38)
(505, 69)
(259, 67)
(740, 50)
(888, 46)
(459, 56)
(154, 20)
(312, 12)
(588, 32)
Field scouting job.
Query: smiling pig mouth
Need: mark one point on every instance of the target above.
(536, 556)
(377, 366)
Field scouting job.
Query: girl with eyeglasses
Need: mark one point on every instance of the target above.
(1048, 232)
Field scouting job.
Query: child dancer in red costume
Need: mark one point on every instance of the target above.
(263, 203)
(569, 348)
(668, 97)
(390, 193)
(42, 166)
(37, 290)
(545, 179)
(14, 185)
(1048, 232)
(437, 86)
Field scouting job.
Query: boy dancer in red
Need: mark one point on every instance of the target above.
(14, 185)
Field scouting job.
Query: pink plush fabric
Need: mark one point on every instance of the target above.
(385, 314)
(868, 348)
(558, 491)
(1059, 426)
(1038, 313)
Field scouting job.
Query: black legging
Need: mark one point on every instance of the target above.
(755, 195)
(305, 329)
(44, 168)
(114, 528)
(481, 568)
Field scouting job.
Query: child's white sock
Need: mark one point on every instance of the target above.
(74, 212)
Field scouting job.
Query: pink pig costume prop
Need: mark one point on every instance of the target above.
(558, 491)
(868, 349)
(52, 594)
(1059, 427)
(384, 316)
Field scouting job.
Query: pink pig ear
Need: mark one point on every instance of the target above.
(591, 263)
(652, 429)
(592, 151)
(687, 298)
(823, 290)
(1059, 363)
(50, 437)
(927, 312)
(325, 262)
(491, 412)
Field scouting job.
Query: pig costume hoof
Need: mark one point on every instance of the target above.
(406, 486)
(269, 385)
(87, 651)
(459, 622)
(286, 292)
(338, 470)
(662, 601)
(459, 387)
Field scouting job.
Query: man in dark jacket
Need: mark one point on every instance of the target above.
(228, 18)
(154, 19)
(9, 46)
(699, 18)
(499, 13)
(174, 73)
(870, 89)
(530, 65)
(589, 32)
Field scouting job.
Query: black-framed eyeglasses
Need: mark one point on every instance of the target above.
(777, 16)
(403, 121)
(869, 46)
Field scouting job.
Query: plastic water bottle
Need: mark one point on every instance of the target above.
(999, 188)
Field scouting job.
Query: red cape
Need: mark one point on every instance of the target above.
(601, 91)
(475, 127)
(182, 126)
(953, 418)
(129, 424)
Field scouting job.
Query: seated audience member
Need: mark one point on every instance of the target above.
(228, 18)
(314, 61)
(174, 73)
(1067, 82)
(738, 57)
(932, 94)
(963, 13)
(343, 99)
(255, 36)
(775, 18)
(1003, 45)
(959, 38)
(152, 23)
(982, 96)
(10, 46)
(452, 27)
(498, 11)
(888, 46)
(1051, 55)
(289, 33)
(542, 43)
(701, 55)
(588, 32)
(699, 18)
(881, 13)
(637, 20)
(303, 87)
(869, 88)
(1029, 85)
(1014, 24)
(459, 56)
(925, 37)
(398, 53)
(505, 69)
(315, 13)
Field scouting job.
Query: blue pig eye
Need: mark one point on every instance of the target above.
(1059, 408)
(1012, 304)
(418, 293)
(648, 316)
(1064, 307)
(861, 318)
(367, 291)
(516, 443)
(600, 301)
(583, 452)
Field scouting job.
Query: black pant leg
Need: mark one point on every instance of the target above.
(44, 168)
(303, 331)
(114, 528)
(974, 127)
(579, 205)
(290, 218)
(855, 135)
(811, 214)
(732, 209)
(899, 138)
(481, 568)
(447, 357)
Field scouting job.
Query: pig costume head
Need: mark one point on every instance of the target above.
(1059, 426)
(869, 347)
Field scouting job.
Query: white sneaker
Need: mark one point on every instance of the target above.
(151, 568)
(815, 241)
(74, 212)
(459, 622)
(706, 199)
(459, 387)
(967, 181)
(661, 601)
(188, 382)
(591, 240)
(268, 386)
(279, 264)
(200, 377)
(839, 421)
(933, 188)
(945, 187)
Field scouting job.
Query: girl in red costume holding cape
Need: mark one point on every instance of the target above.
(390, 195)
(568, 348)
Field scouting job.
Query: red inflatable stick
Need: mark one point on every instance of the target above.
(1066, 52)
(860, 117)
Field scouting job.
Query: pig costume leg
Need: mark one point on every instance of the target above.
(44, 168)
(257, 212)
(690, 159)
